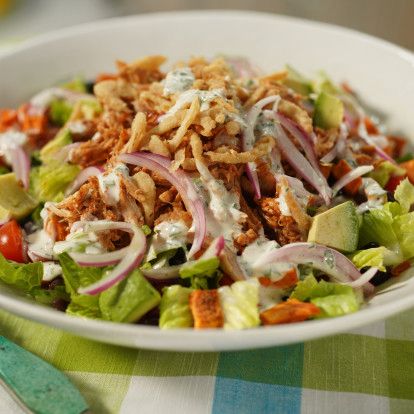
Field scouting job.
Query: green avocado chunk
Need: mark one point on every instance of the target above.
(297, 82)
(329, 111)
(129, 300)
(337, 227)
(15, 202)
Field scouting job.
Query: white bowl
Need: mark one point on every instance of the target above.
(382, 73)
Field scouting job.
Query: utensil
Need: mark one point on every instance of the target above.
(35, 384)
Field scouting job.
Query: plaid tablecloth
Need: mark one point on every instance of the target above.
(370, 370)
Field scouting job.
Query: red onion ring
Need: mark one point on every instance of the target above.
(351, 176)
(20, 163)
(323, 258)
(99, 260)
(131, 260)
(302, 165)
(82, 177)
(182, 182)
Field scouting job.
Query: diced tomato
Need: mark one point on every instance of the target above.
(402, 267)
(398, 145)
(409, 168)
(343, 168)
(8, 117)
(325, 170)
(370, 126)
(393, 182)
(290, 311)
(32, 123)
(289, 279)
(11, 241)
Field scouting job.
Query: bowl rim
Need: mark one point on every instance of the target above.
(209, 339)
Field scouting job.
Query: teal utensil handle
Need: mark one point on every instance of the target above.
(38, 385)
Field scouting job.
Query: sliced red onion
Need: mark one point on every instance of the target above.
(365, 278)
(82, 177)
(320, 257)
(182, 182)
(215, 249)
(243, 67)
(302, 165)
(163, 273)
(133, 257)
(362, 130)
(305, 140)
(351, 176)
(99, 260)
(296, 185)
(248, 138)
(20, 163)
(363, 133)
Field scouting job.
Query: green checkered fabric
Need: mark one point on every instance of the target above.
(368, 370)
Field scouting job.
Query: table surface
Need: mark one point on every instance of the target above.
(367, 370)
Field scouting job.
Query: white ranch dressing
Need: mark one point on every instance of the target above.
(205, 97)
(40, 243)
(375, 194)
(9, 141)
(168, 235)
(109, 184)
(178, 80)
(51, 270)
(79, 241)
(224, 205)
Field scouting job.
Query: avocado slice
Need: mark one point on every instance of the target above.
(15, 202)
(297, 81)
(329, 111)
(337, 227)
(129, 300)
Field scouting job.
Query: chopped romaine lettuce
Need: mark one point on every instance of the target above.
(375, 257)
(89, 109)
(129, 300)
(404, 194)
(297, 81)
(175, 310)
(384, 171)
(201, 273)
(25, 277)
(333, 299)
(49, 296)
(60, 111)
(403, 227)
(75, 277)
(49, 182)
(77, 85)
(377, 226)
(336, 305)
(49, 151)
(239, 303)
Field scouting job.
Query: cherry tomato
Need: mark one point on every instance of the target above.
(11, 241)
(393, 182)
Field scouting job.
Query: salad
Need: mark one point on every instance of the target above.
(209, 196)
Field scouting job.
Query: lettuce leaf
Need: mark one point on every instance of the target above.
(404, 194)
(201, 273)
(403, 227)
(239, 303)
(76, 84)
(379, 257)
(75, 277)
(175, 309)
(333, 299)
(49, 151)
(60, 111)
(377, 226)
(49, 182)
(129, 300)
(384, 171)
(25, 277)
